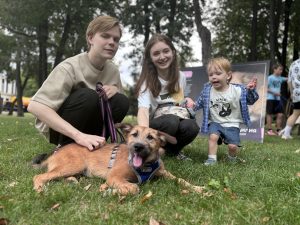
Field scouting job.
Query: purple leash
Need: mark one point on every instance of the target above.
(106, 114)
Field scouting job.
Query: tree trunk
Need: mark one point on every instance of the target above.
(272, 32)
(19, 96)
(287, 10)
(253, 45)
(147, 22)
(42, 34)
(61, 48)
(173, 6)
(203, 32)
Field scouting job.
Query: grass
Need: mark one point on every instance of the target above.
(264, 190)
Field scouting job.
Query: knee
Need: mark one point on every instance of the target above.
(119, 105)
(190, 126)
(84, 97)
(213, 138)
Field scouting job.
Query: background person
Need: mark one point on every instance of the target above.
(294, 86)
(161, 84)
(274, 103)
(224, 108)
(67, 106)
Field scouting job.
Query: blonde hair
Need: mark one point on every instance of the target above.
(220, 63)
(101, 24)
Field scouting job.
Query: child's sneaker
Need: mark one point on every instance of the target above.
(280, 133)
(286, 137)
(271, 133)
(210, 162)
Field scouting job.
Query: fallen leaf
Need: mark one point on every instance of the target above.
(208, 194)
(4, 221)
(155, 222)
(55, 206)
(1, 207)
(105, 216)
(146, 197)
(298, 174)
(122, 199)
(87, 187)
(265, 219)
(184, 192)
(12, 184)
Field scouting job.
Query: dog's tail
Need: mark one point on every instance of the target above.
(39, 160)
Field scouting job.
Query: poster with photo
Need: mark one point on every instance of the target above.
(196, 77)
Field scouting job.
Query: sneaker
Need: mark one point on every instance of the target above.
(271, 133)
(280, 133)
(210, 162)
(181, 156)
(286, 137)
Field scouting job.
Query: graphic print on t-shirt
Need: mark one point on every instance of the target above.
(221, 107)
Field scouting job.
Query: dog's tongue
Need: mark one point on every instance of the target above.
(137, 160)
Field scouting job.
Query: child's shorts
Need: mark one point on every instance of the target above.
(228, 135)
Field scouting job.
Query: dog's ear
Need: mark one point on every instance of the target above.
(125, 127)
(167, 138)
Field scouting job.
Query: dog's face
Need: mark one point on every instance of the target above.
(145, 144)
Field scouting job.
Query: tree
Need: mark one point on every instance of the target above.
(203, 32)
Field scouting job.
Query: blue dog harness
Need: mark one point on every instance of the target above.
(143, 174)
(146, 172)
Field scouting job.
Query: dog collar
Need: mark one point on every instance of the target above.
(145, 172)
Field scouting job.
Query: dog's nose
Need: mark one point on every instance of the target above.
(138, 147)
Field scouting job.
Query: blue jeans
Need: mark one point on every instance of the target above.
(230, 135)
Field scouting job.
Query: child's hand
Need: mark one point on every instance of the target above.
(252, 84)
(189, 103)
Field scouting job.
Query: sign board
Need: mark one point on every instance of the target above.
(242, 73)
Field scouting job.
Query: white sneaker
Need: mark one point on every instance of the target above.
(286, 137)
(280, 133)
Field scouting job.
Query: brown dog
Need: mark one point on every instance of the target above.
(122, 165)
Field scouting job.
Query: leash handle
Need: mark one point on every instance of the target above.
(106, 114)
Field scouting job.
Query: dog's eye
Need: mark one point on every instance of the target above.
(150, 137)
(134, 134)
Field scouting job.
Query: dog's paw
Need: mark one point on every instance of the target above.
(103, 187)
(38, 184)
(129, 188)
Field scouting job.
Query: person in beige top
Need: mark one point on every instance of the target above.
(67, 107)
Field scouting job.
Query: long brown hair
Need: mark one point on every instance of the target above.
(149, 73)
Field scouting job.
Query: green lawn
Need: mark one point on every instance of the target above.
(264, 190)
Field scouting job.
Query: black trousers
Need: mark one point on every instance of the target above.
(82, 110)
(184, 130)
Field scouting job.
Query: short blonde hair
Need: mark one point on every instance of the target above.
(219, 63)
(101, 24)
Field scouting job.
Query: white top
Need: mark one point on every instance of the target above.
(225, 107)
(294, 77)
(147, 100)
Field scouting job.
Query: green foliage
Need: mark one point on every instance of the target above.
(264, 190)
(233, 30)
